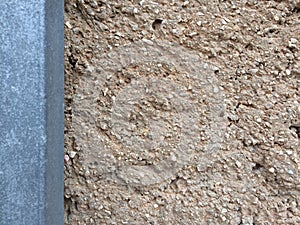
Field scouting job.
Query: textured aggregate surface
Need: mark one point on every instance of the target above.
(182, 112)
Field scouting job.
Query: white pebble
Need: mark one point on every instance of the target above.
(289, 152)
(293, 40)
(72, 154)
(238, 164)
(272, 170)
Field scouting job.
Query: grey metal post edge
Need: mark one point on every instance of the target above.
(31, 112)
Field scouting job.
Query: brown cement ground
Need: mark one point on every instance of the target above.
(182, 112)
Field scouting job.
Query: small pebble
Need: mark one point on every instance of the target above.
(72, 154)
(66, 158)
(272, 170)
(68, 24)
(238, 164)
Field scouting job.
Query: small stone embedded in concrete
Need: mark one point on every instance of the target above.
(72, 154)
(272, 170)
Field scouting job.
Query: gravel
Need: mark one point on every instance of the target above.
(182, 112)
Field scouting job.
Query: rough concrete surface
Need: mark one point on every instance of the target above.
(182, 112)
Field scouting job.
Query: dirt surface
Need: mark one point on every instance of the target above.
(182, 112)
